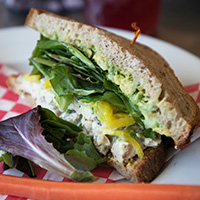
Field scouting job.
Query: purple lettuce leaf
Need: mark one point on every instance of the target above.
(22, 136)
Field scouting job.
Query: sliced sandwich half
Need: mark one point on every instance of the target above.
(125, 96)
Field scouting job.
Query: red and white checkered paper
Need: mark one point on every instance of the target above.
(12, 105)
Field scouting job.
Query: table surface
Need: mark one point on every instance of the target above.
(178, 24)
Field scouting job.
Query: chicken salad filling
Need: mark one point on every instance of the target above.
(111, 129)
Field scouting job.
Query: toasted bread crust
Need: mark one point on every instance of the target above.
(141, 170)
(178, 113)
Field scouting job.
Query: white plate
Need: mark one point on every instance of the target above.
(16, 45)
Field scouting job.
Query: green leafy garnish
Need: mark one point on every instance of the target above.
(84, 155)
(7, 158)
(149, 133)
(83, 176)
(72, 74)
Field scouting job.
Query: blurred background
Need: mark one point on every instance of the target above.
(175, 21)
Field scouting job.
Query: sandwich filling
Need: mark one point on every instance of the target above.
(73, 83)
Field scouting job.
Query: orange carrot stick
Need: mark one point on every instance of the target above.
(51, 190)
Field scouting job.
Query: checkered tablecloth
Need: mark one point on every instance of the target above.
(12, 105)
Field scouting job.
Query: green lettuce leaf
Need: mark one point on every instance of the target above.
(149, 133)
(64, 83)
(84, 155)
(18, 162)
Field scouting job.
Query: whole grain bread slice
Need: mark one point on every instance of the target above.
(175, 112)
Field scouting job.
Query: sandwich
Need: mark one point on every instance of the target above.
(124, 96)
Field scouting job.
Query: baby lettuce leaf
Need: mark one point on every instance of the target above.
(40, 68)
(22, 136)
(47, 115)
(63, 101)
(78, 176)
(20, 163)
(84, 155)
(80, 160)
(64, 83)
(149, 133)
(7, 158)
